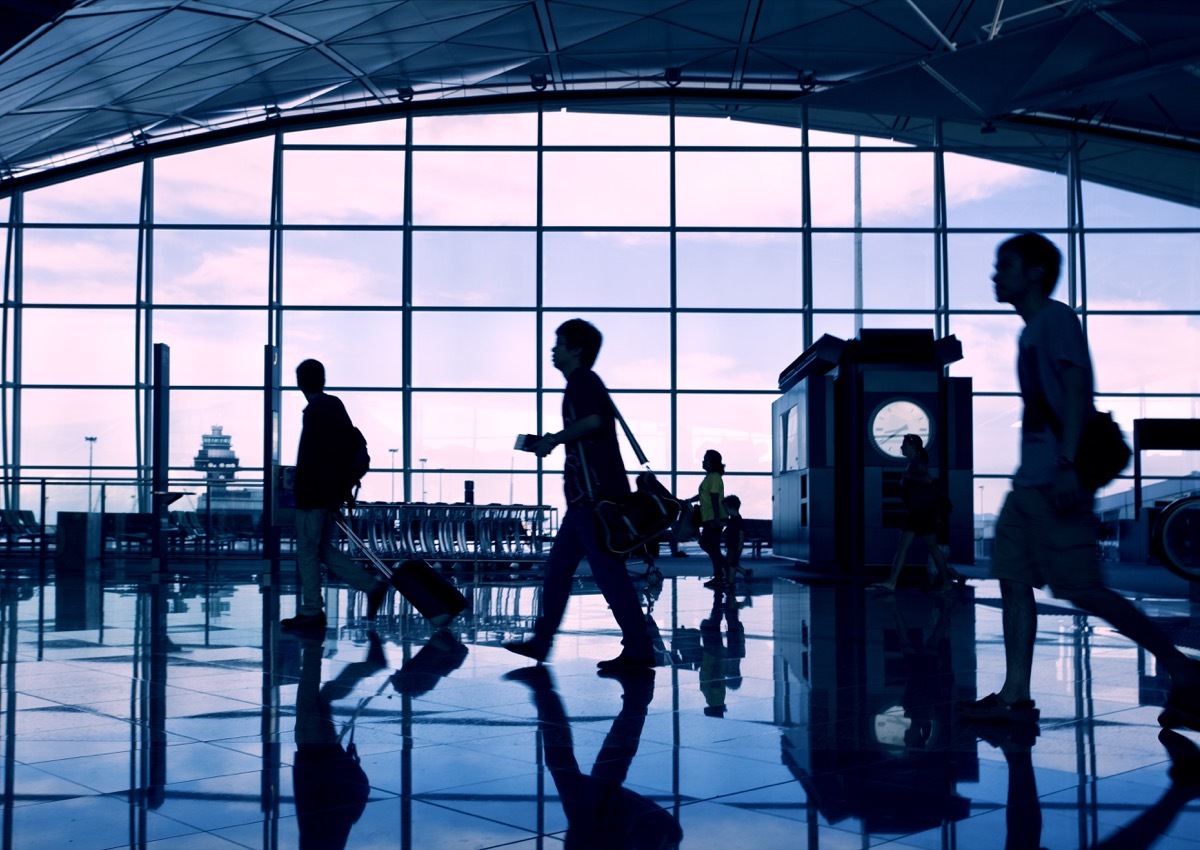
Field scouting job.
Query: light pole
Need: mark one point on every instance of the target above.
(91, 441)
(422, 478)
(393, 451)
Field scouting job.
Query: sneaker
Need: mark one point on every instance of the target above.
(527, 649)
(1182, 708)
(1185, 759)
(681, 554)
(992, 708)
(715, 583)
(375, 598)
(626, 661)
(307, 622)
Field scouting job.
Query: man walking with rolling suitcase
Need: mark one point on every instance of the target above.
(593, 471)
(323, 485)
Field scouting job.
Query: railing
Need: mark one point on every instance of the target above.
(458, 533)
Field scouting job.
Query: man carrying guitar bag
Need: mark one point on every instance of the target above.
(589, 432)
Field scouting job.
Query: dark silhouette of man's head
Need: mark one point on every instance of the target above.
(1036, 251)
(583, 337)
(310, 376)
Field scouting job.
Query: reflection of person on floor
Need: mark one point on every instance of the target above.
(1147, 828)
(921, 506)
(721, 663)
(926, 666)
(601, 813)
(329, 783)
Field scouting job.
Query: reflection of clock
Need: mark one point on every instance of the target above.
(892, 420)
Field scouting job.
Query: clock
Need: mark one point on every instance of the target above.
(895, 418)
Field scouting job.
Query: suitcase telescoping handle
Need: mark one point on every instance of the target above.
(375, 560)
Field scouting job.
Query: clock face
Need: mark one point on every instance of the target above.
(892, 420)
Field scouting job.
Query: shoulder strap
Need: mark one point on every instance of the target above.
(637, 450)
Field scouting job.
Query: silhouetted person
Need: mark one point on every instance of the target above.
(1046, 532)
(721, 661)
(593, 471)
(322, 487)
(330, 785)
(735, 537)
(601, 813)
(711, 499)
(921, 508)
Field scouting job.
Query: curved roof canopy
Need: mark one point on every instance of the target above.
(106, 80)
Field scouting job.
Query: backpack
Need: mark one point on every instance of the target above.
(356, 461)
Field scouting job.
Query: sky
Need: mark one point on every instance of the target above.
(477, 372)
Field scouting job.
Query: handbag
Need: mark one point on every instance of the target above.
(1102, 451)
(633, 521)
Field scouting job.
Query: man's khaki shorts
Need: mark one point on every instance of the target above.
(1037, 546)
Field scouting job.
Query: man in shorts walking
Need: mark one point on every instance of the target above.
(1046, 533)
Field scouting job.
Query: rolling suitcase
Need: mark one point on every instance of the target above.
(435, 598)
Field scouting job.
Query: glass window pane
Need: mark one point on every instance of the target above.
(730, 132)
(102, 198)
(1144, 271)
(517, 128)
(78, 346)
(1158, 461)
(735, 189)
(228, 184)
(350, 268)
(606, 269)
(481, 188)
(1144, 353)
(635, 354)
(563, 127)
(897, 270)
(343, 187)
(831, 184)
(743, 351)
(239, 415)
(833, 269)
(981, 193)
(971, 261)
(490, 488)
(470, 268)
(997, 434)
(389, 132)
(739, 270)
(738, 426)
(606, 189)
(989, 344)
(897, 189)
(890, 321)
(213, 346)
(469, 430)
(1104, 206)
(452, 349)
(55, 422)
(840, 325)
(210, 267)
(826, 139)
(358, 348)
(73, 266)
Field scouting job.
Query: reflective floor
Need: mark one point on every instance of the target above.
(171, 712)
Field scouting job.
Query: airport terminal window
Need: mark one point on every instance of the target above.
(700, 293)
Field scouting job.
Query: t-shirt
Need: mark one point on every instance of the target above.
(598, 454)
(1052, 340)
(712, 484)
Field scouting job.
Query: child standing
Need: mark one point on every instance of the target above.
(735, 537)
